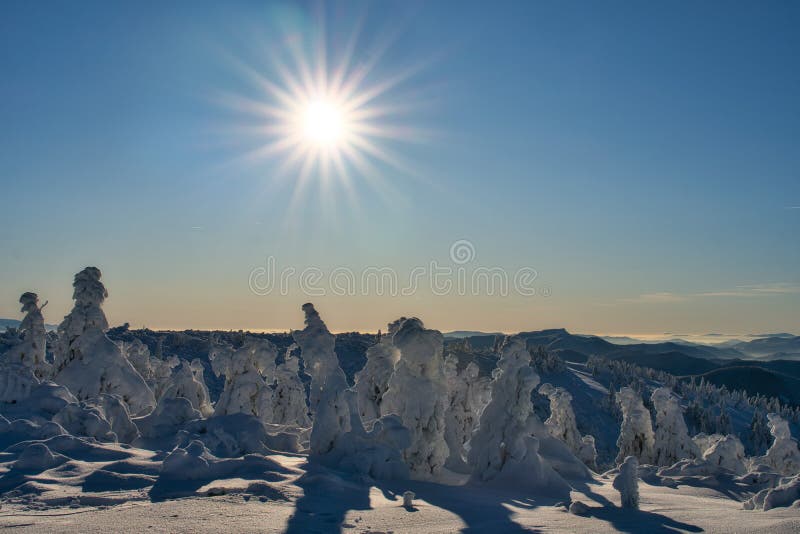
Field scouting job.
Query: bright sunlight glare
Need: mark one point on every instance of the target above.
(323, 123)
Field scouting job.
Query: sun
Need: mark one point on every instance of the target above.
(324, 123)
(328, 118)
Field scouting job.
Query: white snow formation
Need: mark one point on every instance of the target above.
(783, 456)
(420, 370)
(636, 434)
(372, 381)
(502, 449)
(31, 350)
(289, 396)
(188, 382)
(467, 396)
(672, 441)
(627, 482)
(86, 360)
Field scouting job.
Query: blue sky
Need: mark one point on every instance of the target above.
(641, 157)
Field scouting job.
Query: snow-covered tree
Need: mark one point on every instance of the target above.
(588, 452)
(31, 349)
(467, 395)
(672, 441)
(758, 434)
(155, 370)
(328, 382)
(187, 381)
(338, 436)
(636, 434)
(289, 396)
(627, 483)
(372, 381)
(561, 424)
(417, 393)
(502, 448)
(247, 371)
(783, 456)
(86, 360)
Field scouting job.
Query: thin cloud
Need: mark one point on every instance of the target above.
(748, 291)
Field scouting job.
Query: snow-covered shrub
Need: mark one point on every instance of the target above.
(502, 449)
(784, 494)
(727, 453)
(188, 382)
(87, 361)
(236, 434)
(163, 423)
(16, 382)
(467, 396)
(417, 393)
(247, 371)
(627, 483)
(587, 453)
(31, 349)
(636, 434)
(372, 381)
(783, 456)
(85, 420)
(561, 424)
(116, 413)
(672, 441)
(289, 396)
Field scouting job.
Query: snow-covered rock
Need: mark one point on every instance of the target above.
(87, 361)
(636, 434)
(627, 482)
(672, 441)
(417, 393)
(503, 449)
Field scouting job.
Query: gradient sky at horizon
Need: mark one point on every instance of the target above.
(642, 157)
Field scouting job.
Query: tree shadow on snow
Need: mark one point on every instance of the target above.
(328, 497)
(639, 521)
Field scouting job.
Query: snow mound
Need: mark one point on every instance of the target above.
(229, 436)
(782, 495)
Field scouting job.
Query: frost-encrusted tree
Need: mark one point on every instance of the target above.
(372, 381)
(588, 452)
(627, 483)
(188, 382)
(636, 434)
(87, 362)
(417, 393)
(328, 382)
(783, 455)
(467, 396)
(561, 424)
(155, 370)
(502, 448)
(31, 349)
(289, 396)
(338, 436)
(759, 434)
(247, 371)
(672, 441)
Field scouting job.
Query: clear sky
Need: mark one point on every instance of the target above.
(641, 157)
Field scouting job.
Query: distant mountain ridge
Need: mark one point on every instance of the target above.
(14, 323)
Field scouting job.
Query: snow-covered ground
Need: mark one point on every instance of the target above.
(320, 501)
